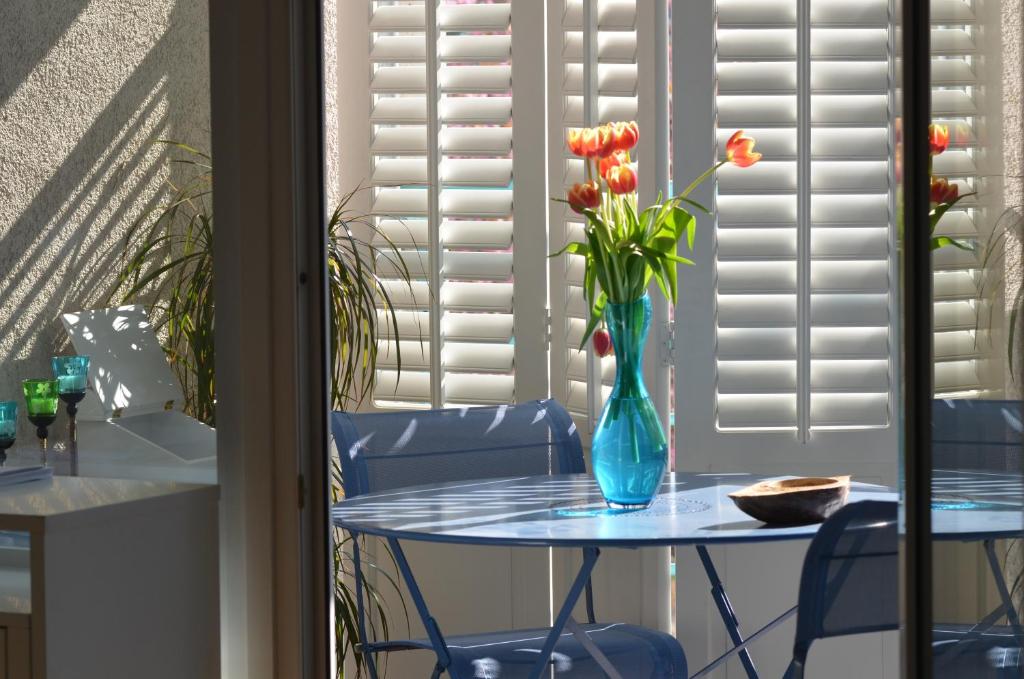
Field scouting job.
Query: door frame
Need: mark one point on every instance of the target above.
(267, 138)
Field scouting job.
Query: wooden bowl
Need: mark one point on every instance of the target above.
(794, 502)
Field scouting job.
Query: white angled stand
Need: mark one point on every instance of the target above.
(130, 424)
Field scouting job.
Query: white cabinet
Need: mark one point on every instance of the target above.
(107, 578)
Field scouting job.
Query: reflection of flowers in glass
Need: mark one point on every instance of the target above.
(938, 138)
(942, 191)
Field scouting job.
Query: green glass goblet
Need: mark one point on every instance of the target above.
(41, 399)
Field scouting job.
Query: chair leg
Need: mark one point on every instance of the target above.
(796, 665)
(436, 674)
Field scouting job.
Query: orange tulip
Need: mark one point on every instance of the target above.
(621, 179)
(575, 141)
(614, 160)
(938, 138)
(597, 141)
(942, 191)
(625, 135)
(585, 195)
(739, 150)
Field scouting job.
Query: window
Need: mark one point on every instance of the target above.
(795, 274)
(437, 152)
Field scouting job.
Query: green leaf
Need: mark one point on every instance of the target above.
(596, 313)
(573, 249)
(943, 241)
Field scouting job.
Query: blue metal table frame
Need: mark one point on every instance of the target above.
(568, 511)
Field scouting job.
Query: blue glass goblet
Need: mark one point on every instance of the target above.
(8, 427)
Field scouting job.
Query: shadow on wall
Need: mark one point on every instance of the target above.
(86, 86)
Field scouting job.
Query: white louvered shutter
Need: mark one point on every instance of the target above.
(575, 372)
(957, 100)
(441, 168)
(796, 277)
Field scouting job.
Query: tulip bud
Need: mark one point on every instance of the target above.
(602, 341)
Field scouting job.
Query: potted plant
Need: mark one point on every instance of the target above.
(167, 264)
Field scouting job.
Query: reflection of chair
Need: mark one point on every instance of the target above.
(383, 451)
(132, 415)
(977, 434)
(850, 585)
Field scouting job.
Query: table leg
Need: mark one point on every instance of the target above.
(444, 660)
(732, 623)
(1004, 593)
(371, 661)
(590, 555)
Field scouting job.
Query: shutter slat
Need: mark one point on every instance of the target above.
(469, 18)
(475, 110)
(611, 47)
(496, 172)
(460, 296)
(478, 357)
(473, 141)
(756, 343)
(617, 80)
(479, 327)
(480, 48)
(496, 234)
(478, 266)
(476, 202)
(760, 411)
(849, 410)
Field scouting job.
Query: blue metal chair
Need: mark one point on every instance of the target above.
(850, 585)
(850, 579)
(384, 451)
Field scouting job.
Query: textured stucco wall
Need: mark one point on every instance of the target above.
(85, 87)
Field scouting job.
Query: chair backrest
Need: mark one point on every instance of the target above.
(977, 434)
(850, 578)
(382, 451)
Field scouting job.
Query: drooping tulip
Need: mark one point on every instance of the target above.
(621, 179)
(602, 340)
(585, 195)
(625, 135)
(938, 138)
(608, 162)
(942, 191)
(739, 150)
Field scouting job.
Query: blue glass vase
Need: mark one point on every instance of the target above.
(629, 452)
